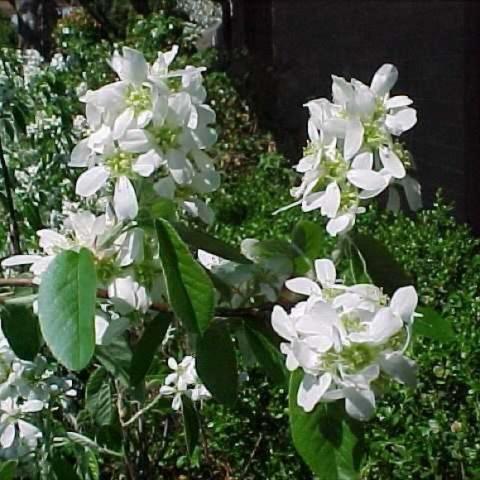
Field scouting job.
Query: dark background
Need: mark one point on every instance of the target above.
(295, 45)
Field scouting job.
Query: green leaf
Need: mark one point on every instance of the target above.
(433, 325)
(91, 464)
(267, 355)
(7, 470)
(98, 395)
(116, 357)
(20, 326)
(66, 304)
(216, 363)
(326, 438)
(204, 241)
(191, 424)
(146, 347)
(381, 265)
(190, 290)
(309, 238)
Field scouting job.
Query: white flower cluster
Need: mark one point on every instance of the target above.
(152, 123)
(119, 257)
(345, 338)
(183, 381)
(353, 153)
(44, 126)
(25, 388)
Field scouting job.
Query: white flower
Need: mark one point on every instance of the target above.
(352, 154)
(343, 336)
(183, 381)
(11, 421)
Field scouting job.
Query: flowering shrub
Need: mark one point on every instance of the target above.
(117, 280)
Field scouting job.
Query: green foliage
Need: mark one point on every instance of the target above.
(190, 290)
(66, 306)
(216, 363)
(8, 37)
(326, 438)
(147, 346)
(20, 327)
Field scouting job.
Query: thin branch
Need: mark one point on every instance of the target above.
(14, 230)
(137, 415)
(254, 311)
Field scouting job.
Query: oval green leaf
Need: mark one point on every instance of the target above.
(190, 290)
(432, 325)
(326, 439)
(216, 364)
(66, 306)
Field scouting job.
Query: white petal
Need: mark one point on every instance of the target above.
(413, 192)
(359, 404)
(353, 138)
(80, 154)
(20, 260)
(135, 140)
(180, 168)
(312, 389)
(398, 101)
(392, 163)
(125, 199)
(282, 324)
(325, 271)
(134, 67)
(363, 161)
(384, 325)
(303, 285)
(122, 123)
(384, 79)
(31, 406)
(319, 323)
(331, 200)
(367, 179)
(101, 325)
(401, 121)
(340, 224)
(400, 367)
(7, 436)
(90, 181)
(147, 163)
(130, 247)
(404, 302)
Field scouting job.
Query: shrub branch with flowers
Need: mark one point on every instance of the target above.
(130, 267)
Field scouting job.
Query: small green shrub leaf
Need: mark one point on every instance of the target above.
(20, 327)
(190, 290)
(267, 355)
(432, 325)
(191, 424)
(204, 241)
(382, 266)
(66, 304)
(146, 347)
(99, 397)
(217, 364)
(325, 438)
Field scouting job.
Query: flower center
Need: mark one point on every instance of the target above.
(166, 137)
(139, 99)
(120, 163)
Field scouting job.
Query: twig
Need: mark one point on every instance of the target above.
(14, 230)
(252, 455)
(254, 311)
(145, 409)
